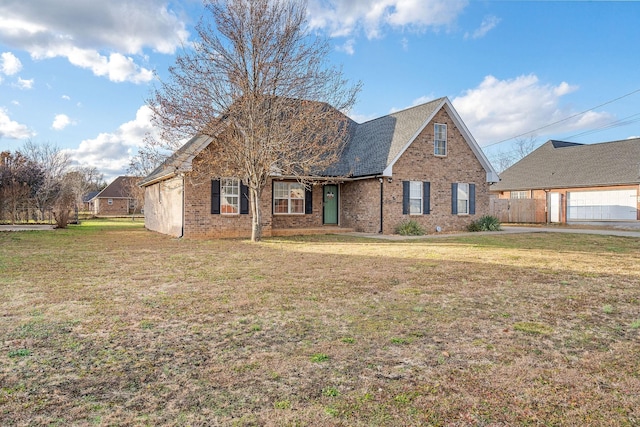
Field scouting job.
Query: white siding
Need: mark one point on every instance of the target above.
(163, 207)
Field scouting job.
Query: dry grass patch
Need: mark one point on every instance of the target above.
(108, 324)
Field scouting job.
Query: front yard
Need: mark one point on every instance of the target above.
(108, 324)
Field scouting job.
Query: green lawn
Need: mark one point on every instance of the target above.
(106, 323)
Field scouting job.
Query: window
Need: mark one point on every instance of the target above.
(229, 196)
(440, 140)
(463, 198)
(110, 202)
(416, 198)
(288, 198)
(519, 195)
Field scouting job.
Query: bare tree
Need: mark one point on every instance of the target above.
(55, 163)
(19, 179)
(258, 83)
(522, 146)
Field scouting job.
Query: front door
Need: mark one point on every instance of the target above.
(330, 204)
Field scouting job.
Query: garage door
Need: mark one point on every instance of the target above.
(610, 205)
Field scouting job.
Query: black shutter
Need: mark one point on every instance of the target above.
(244, 199)
(405, 197)
(426, 198)
(215, 196)
(308, 200)
(472, 199)
(454, 198)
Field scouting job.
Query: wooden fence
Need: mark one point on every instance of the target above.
(518, 210)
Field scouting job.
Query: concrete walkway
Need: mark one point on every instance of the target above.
(507, 229)
(27, 227)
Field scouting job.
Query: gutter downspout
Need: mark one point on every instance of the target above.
(183, 198)
(381, 204)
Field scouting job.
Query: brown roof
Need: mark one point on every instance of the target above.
(559, 164)
(119, 188)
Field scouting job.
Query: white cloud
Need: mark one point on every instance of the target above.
(10, 64)
(111, 152)
(488, 24)
(66, 97)
(11, 129)
(345, 17)
(61, 121)
(100, 36)
(24, 83)
(347, 47)
(501, 109)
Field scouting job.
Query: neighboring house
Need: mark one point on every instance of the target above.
(117, 198)
(577, 182)
(87, 204)
(420, 163)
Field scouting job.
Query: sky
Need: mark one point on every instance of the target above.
(77, 73)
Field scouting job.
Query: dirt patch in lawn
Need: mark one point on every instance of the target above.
(116, 325)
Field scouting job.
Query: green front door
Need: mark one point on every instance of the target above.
(330, 204)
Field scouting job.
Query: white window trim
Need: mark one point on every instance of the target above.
(412, 196)
(288, 199)
(463, 188)
(224, 201)
(436, 140)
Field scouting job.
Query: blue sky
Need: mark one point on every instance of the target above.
(76, 73)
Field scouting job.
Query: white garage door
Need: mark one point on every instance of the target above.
(610, 205)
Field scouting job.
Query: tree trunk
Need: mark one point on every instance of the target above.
(256, 214)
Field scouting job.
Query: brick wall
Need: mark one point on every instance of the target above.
(117, 207)
(360, 207)
(418, 163)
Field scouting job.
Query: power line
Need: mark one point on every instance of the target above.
(622, 122)
(563, 120)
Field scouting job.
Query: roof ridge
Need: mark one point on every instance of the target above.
(404, 110)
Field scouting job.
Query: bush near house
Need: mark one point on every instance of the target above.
(485, 223)
(410, 228)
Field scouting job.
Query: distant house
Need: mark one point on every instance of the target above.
(87, 204)
(577, 182)
(420, 164)
(117, 198)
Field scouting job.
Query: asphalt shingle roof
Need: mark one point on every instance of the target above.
(372, 147)
(118, 188)
(559, 164)
(376, 143)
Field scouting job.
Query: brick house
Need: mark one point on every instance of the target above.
(420, 163)
(569, 182)
(117, 198)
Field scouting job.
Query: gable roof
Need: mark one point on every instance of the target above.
(560, 164)
(372, 150)
(118, 189)
(179, 161)
(90, 195)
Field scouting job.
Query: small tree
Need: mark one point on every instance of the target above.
(258, 84)
(54, 163)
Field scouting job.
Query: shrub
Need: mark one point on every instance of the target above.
(410, 228)
(485, 223)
